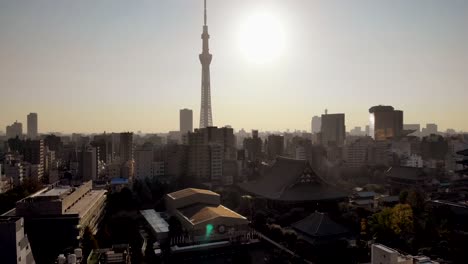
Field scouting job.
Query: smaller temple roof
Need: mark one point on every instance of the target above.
(365, 194)
(320, 226)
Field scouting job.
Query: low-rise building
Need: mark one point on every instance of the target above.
(158, 226)
(381, 254)
(6, 183)
(14, 243)
(363, 199)
(203, 217)
(56, 217)
(118, 254)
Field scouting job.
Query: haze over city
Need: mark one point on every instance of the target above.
(253, 132)
(93, 66)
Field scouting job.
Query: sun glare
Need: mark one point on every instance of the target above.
(261, 38)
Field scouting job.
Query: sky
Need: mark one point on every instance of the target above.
(115, 65)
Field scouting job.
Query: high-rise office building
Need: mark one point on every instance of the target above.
(206, 118)
(253, 146)
(104, 145)
(34, 153)
(186, 121)
(385, 122)
(32, 126)
(88, 163)
(333, 130)
(357, 153)
(144, 159)
(14, 130)
(316, 124)
(208, 148)
(126, 147)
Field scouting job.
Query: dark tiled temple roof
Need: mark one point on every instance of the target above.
(463, 152)
(463, 171)
(409, 173)
(320, 226)
(292, 180)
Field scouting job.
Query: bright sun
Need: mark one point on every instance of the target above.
(261, 38)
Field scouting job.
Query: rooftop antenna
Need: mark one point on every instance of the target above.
(205, 13)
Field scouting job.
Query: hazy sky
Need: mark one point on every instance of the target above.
(114, 65)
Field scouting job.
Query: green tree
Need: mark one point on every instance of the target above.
(391, 223)
(380, 224)
(402, 219)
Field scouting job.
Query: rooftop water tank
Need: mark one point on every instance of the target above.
(78, 252)
(61, 259)
(72, 259)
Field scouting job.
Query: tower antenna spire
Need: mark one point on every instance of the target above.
(205, 14)
(206, 118)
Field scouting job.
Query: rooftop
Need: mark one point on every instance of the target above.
(9, 219)
(56, 191)
(200, 213)
(365, 194)
(82, 206)
(410, 173)
(119, 181)
(189, 192)
(158, 224)
(401, 257)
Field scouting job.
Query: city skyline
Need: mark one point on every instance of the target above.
(408, 55)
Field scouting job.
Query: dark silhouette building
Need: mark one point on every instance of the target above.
(333, 129)
(186, 121)
(275, 146)
(316, 124)
(253, 146)
(126, 147)
(104, 146)
(34, 153)
(32, 126)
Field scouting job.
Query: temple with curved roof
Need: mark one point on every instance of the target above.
(292, 181)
